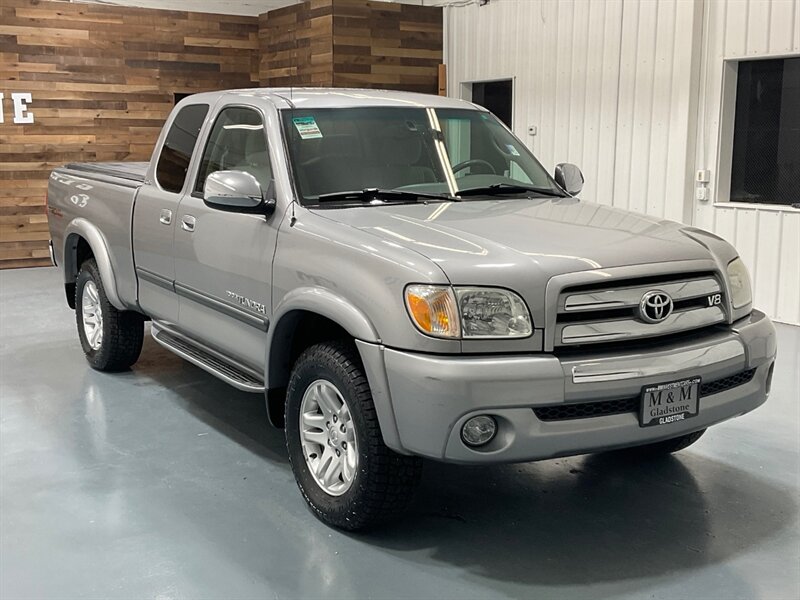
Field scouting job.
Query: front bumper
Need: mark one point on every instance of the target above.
(423, 400)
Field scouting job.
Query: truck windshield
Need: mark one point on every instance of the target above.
(441, 152)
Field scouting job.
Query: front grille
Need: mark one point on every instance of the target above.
(586, 410)
(726, 383)
(605, 408)
(609, 312)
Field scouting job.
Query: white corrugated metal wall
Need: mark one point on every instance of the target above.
(767, 237)
(615, 85)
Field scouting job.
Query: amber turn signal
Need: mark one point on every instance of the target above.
(433, 310)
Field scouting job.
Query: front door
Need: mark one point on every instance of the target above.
(223, 260)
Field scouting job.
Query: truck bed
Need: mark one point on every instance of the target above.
(99, 197)
(132, 171)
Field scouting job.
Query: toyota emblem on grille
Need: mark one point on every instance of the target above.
(655, 306)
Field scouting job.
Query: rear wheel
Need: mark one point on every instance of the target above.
(346, 474)
(111, 339)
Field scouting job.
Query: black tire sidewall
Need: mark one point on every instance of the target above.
(317, 364)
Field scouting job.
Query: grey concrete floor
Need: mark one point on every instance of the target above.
(165, 483)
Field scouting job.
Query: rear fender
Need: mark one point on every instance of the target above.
(81, 228)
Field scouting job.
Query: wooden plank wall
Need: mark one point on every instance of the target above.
(387, 45)
(102, 80)
(296, 45)
(352, 43)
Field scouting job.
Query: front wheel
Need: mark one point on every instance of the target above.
(346, 474)
(111, 339)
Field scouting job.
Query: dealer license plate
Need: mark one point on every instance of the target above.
(669, 402)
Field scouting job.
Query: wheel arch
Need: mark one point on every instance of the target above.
(305, 317)
(84, 240)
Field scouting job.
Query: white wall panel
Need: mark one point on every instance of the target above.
(768, 241)
(604, 81)
(767, 237)
(564, 57)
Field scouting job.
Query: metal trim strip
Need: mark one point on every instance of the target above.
(155, 279)
(631, 329)
(630, 297)
(215, 304)
(629, 367)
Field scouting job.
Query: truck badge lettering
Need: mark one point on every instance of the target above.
(714, 299)
(246, 302)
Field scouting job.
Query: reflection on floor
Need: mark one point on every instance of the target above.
(163, 482)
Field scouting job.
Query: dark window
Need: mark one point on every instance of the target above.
(237, 142)
(178, 147)
(766, 139)
(495, 96)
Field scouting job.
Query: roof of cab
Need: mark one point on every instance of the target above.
(349, 97)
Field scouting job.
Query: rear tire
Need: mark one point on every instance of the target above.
(672, 445)
(378, 483)
(111, 339)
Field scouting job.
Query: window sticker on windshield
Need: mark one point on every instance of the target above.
(307, 127)
(513, 150)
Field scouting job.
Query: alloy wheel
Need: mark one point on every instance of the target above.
(328, 436)
(92, 315)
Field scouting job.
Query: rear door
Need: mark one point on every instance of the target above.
(223, 260)
(155, 211)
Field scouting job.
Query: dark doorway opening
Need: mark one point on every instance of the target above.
(497, 96)
(178, 96)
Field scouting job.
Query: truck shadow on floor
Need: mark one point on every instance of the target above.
(597, 518)
(241, 416)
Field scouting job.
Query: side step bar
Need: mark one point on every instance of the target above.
(231, 373)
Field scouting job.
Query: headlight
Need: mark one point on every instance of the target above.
(739, 283)
(470, 312)
(433, 310)
(492, 312)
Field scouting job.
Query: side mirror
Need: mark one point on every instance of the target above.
(237, 191)
(569, 177)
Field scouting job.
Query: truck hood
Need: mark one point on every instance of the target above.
(486, 241)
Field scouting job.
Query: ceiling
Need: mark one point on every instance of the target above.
(228, 7)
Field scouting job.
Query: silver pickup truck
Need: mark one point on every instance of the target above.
(401, 278)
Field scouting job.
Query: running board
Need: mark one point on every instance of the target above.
(225, 370)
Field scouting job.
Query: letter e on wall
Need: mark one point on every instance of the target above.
(21, 113)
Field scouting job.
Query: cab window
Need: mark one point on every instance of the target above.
(176, 153)
(237, 142)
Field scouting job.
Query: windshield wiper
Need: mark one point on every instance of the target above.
(499, 189)
(369, 194)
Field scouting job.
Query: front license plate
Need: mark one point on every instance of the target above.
(669, 402)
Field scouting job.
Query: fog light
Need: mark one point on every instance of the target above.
(479, 430)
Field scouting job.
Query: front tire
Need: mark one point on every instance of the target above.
(347, 475)
(111, 339)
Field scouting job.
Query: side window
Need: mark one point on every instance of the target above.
(178, 147)
(237, 142)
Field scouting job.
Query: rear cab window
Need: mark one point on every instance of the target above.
(173, 162)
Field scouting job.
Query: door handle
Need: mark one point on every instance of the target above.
(166, 216)
(187, 223)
